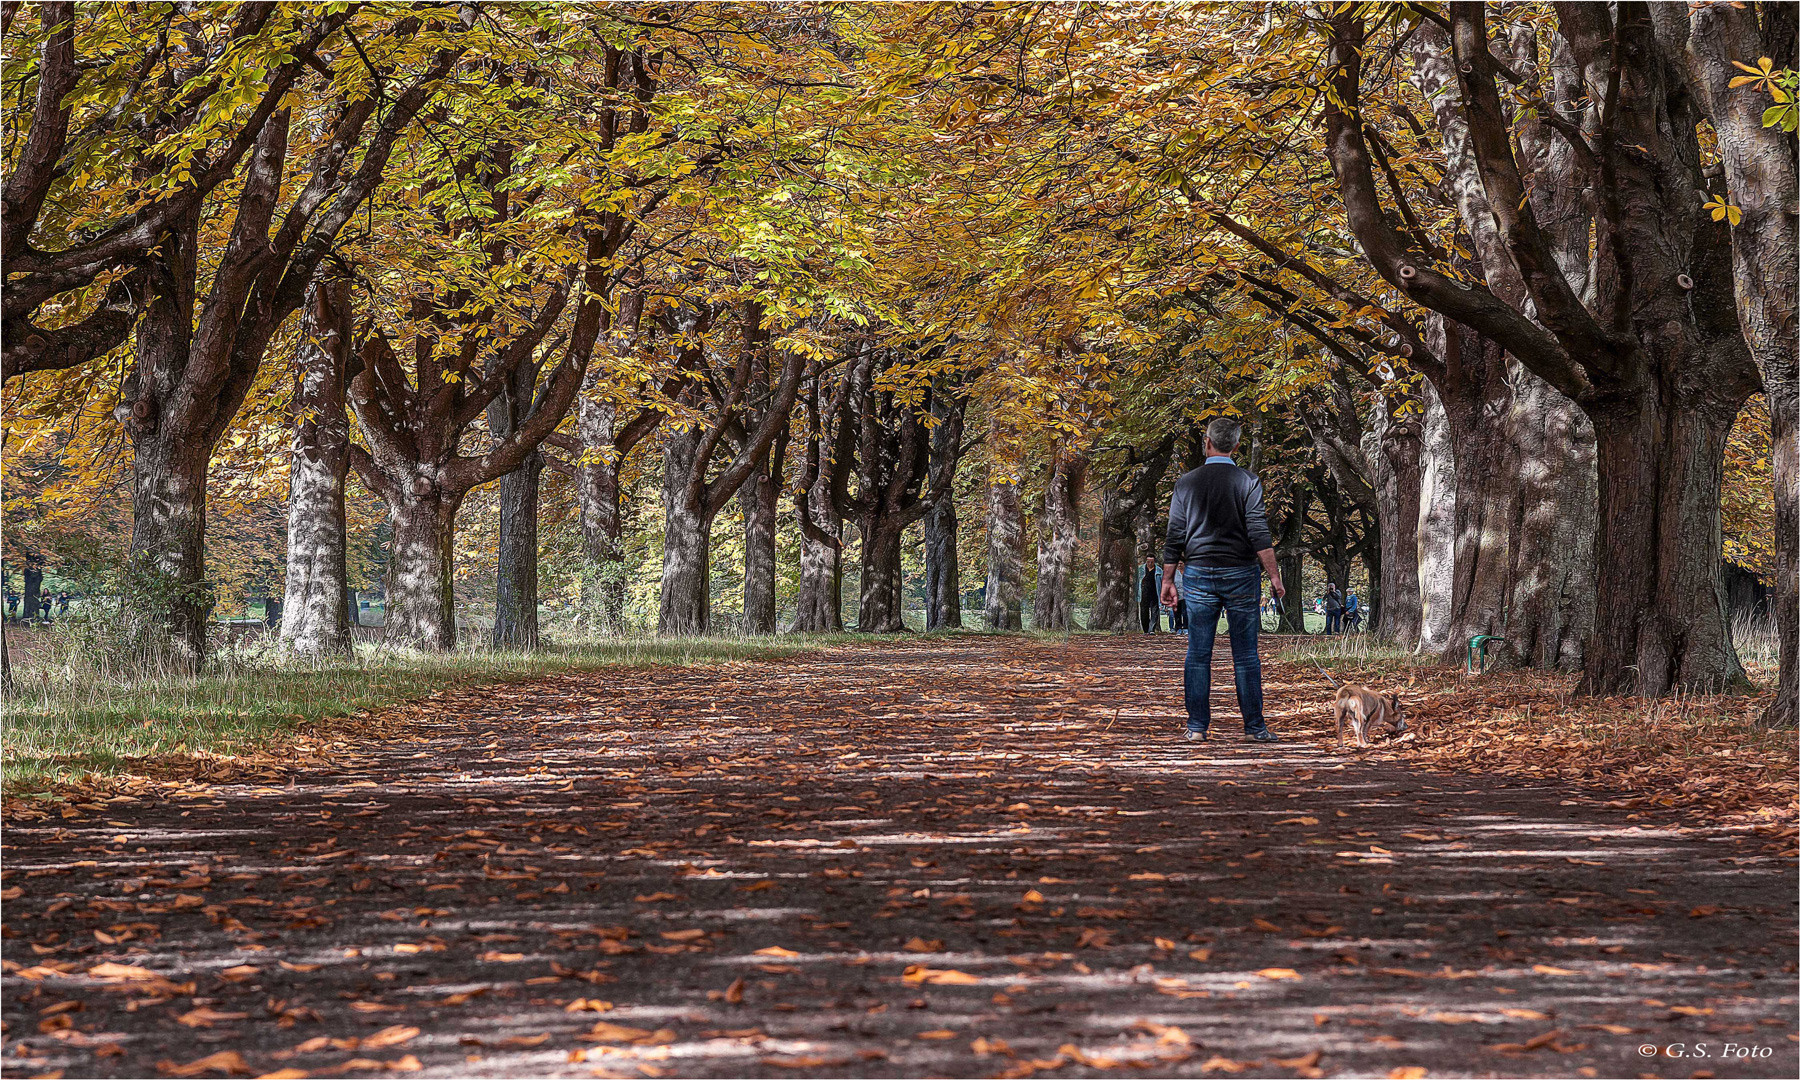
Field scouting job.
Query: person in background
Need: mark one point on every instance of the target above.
(62, 604)
(1334, 609)
(12, 606)
(1149, 586)
(1352, 613)
(1178, 621)
(44, 602)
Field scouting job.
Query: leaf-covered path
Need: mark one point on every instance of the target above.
(973, 857)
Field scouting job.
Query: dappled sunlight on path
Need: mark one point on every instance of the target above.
(970, 857)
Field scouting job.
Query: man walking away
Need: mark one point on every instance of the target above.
(1218, 526)
(1148, 615)
(1334, 610)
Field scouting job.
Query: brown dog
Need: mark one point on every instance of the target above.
(1366, 710)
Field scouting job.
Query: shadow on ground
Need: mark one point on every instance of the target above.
(974, 857)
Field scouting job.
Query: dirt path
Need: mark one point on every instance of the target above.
(957, 858)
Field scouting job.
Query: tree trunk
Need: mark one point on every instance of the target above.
(687, 544)
(516, 587)
(421, 593)
(1763, 181)
(1783, 389)
(516, 580)
(1127, 536)
(1005, 553)
(1060, 534)
(1292, 564)
(1660, 622)
(1436, 543)
(880, 609)
(1117, 569)
(1550, 612)
(1523, 509)
(168, 545)
(34, 592)
(943, 575)
(757, 498)
(167, 555)
(820, 609)
(1396, 459)
(597, 497)
(317, 620)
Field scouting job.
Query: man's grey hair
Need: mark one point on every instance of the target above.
(1224, 433)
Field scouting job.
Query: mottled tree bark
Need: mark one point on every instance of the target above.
(686, 607)
(516, 587)
(1640, 334)
(1005, 553)
(1290, 558)
(880, 609)
(820, 607)
(691, 501)
(758, 500)
(421, 594)
(1761, 180)
(317, 615)
(34, 592)
(1394, 453)
(1059, 534)
(943, 572)
(943, 577)
(516, 580)
(597, 500)
(1437, 527)
(1127, 509)
(167, 554)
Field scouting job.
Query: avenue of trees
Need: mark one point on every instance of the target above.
(1505, 295)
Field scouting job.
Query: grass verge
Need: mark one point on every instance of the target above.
(59, 732)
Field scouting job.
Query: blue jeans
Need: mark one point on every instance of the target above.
(1235, 590)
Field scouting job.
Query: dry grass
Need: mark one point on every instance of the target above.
(68, 721)
(1706, 756)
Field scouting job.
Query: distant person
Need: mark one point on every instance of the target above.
(12, 606)
(1149, 587)
(1219, 529)
(1334, 610)
(62, 604)
(44, 602)
(1353, 613)
(1178, 621)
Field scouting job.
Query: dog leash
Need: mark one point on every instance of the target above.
(1327, 675)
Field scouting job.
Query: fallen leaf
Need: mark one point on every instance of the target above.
(1224, 1064)
(390, 1036)
(229, 1062)
(918, 973)
(207, 1017)
(1279, 973)
(775, 950)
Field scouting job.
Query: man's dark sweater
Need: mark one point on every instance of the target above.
(1216, 518)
